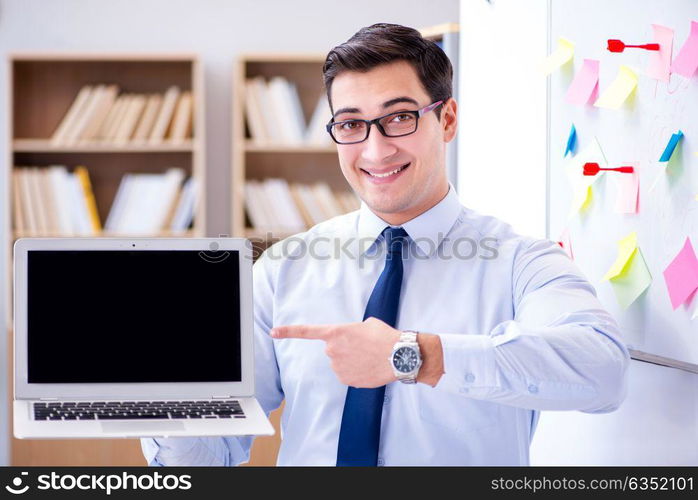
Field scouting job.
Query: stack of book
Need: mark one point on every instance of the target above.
(275, 205)
(275, 115)
(52, 201)
(100, 115)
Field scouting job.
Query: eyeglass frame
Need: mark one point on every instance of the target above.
(376, 121)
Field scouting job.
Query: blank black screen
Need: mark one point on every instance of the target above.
(133, 316)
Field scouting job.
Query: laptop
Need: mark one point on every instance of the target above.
(129, 338)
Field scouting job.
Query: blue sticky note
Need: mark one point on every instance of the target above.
(669, 150)
(571, 142)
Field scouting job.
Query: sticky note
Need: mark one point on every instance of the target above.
(621, 88)
(566, 243)
(681, 275)
(627, 190)
(580, 183)
(659, 64)
(686, 62)
(660, 175)
(671, 146)
(571, 142)
(635, 279)
(626, 249)
(562, 55)
(585, 83)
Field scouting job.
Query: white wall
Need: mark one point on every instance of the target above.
(217, 30)
(502, 138)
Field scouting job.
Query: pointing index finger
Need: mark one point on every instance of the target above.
(312, 332)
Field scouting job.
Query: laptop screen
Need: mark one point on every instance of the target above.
(133, 316)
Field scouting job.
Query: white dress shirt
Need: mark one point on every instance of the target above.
(521, 329)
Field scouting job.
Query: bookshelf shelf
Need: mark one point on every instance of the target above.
(45, 146)
(251, 147)
(297, 167)
(105, 234)
(43, 89)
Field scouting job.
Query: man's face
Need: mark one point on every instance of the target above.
(420, 182)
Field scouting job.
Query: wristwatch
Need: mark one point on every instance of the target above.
(406, 358)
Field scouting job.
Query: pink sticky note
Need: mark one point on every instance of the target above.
(681, 275)
(628, 190)
(660, 61)
(585, 84)
(566, 243)
(687, 61)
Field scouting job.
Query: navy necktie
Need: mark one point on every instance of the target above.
(359, 434)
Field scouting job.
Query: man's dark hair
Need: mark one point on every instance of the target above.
(385, 43)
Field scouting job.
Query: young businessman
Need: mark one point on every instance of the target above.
(413, 331)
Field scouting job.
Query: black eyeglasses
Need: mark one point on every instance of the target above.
(396, 124)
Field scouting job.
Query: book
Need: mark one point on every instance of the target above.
(26, 195)
(162, 122)
(58, 179)
(316, 133)
(89, 198)
(255, 211)
(253, 112)
(286, 213)
(145, 125)
(112, 126)
(186, 205)
(118, 205)
(327, 201)
(279, 94)
(85, 115)
(107, 97)
(58, 136)
(17, 208)
(182, 120)
(130, 118)
(48, 201)
(272, 122)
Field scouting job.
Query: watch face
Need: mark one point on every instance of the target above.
(405, 359)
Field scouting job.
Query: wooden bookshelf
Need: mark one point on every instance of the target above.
(42, 87)
(295, 163)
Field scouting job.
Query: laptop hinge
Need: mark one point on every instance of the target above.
(48, 399)
(221, 397)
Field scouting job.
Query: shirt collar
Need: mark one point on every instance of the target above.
(427, 230)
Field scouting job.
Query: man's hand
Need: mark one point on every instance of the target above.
(359, 352)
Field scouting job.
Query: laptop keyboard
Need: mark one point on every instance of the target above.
(136, 410)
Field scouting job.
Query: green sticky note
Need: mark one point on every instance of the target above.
(634, 280)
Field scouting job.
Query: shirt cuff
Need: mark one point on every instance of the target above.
(150, 450)
(469, 363)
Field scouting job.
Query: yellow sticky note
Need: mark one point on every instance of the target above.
(616, 94)
(626, 249)
(581, 200)
(581, 184)
(562, 55)
(636, 278)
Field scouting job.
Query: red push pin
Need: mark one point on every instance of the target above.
(593, 169)
(618, 46)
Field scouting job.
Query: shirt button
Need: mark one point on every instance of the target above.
(386, 400)
(470, 377)
(533, 389)
(380, 462)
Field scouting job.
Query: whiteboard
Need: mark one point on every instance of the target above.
(657, 422)
(638, 132)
